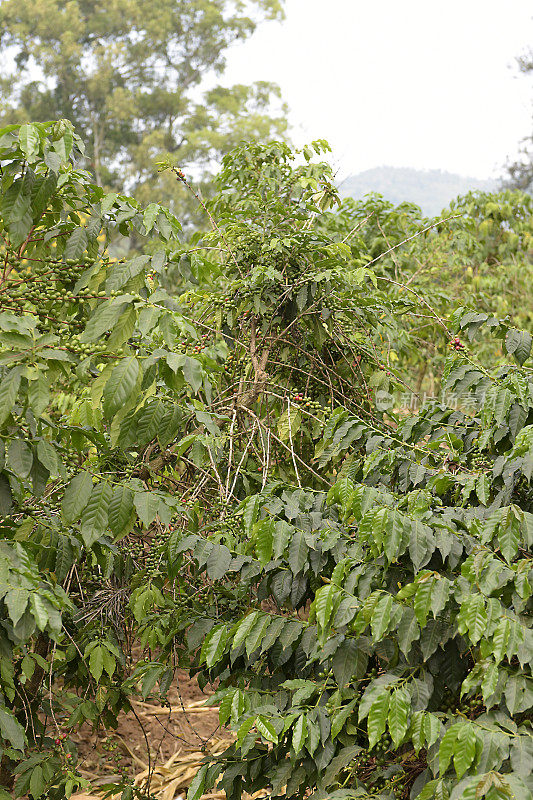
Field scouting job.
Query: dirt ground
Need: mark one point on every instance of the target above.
(174, 737)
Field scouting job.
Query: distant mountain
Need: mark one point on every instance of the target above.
(431, 189)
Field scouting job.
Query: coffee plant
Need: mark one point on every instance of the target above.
(209, 481)
(477, 253)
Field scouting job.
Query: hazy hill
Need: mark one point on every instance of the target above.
(430, 189)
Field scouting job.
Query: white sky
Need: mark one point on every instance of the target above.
(411, 84)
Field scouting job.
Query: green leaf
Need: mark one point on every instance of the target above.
(109, 661)
(264, 540)
(416, 730)
(76, 496)
(123, 329)
(299, 733)
(465, 750)
(29, 141)
(502, 404)
(519, 344)
(349, 660)
(147, 505)
(250, 510)
(394, 536)
(120, 509)
(342, 493)
(381, 616)
(243, 629)
(6, 497)
(377, 718)
(224, 706)
(103, 319)
(16, 601)
(472, 617)
(120, 385)
(244, 730)
(196, 788)
(447, 747)
(20, 458)
(214, 645)
(522, 755)
(432, 728)
(483, 489)
(8, 392)
(37, 782)
(218, 562)
(39, 610)
(64, 558)
(94, 516)
(326, 601)
(340, 762)
(150, 215)
(192, 372)
(48, 457)
(39, 394)
(434, 789)
(298, 551)
(76, 244)
(123, 271)
(399, 706)
(509, 534)
(289, 424)
(11, 729)
(421, 544)
(266, 729)
(238, 706)
(490, 680)
(96, 663)
(422, 599)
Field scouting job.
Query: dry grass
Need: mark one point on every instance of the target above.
(169, 780)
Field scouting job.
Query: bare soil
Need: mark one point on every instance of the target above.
(152, 734)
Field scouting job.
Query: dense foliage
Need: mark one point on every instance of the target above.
(211, 477)
(477, 254)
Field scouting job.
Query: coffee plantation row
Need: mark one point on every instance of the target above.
(195, 472)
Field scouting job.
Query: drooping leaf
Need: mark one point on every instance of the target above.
(120, 385)
(94, 516)
(377, 718)
(76, 496)
(11, 729)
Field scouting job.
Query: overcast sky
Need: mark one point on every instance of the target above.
(414, 83)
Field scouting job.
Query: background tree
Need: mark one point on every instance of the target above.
(520, 172)
(130, 76)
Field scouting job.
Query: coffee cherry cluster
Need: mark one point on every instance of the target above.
(110, 747)
(306, 402)
(372, 673)
(480, 462)
(381, 748)
(387, 785)
(233, 361)
(226, 302)
(456, 344)
(334, 303)
(232, 301)
(452, 704)
(154, 556)
(202, 344)
(75, 346)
